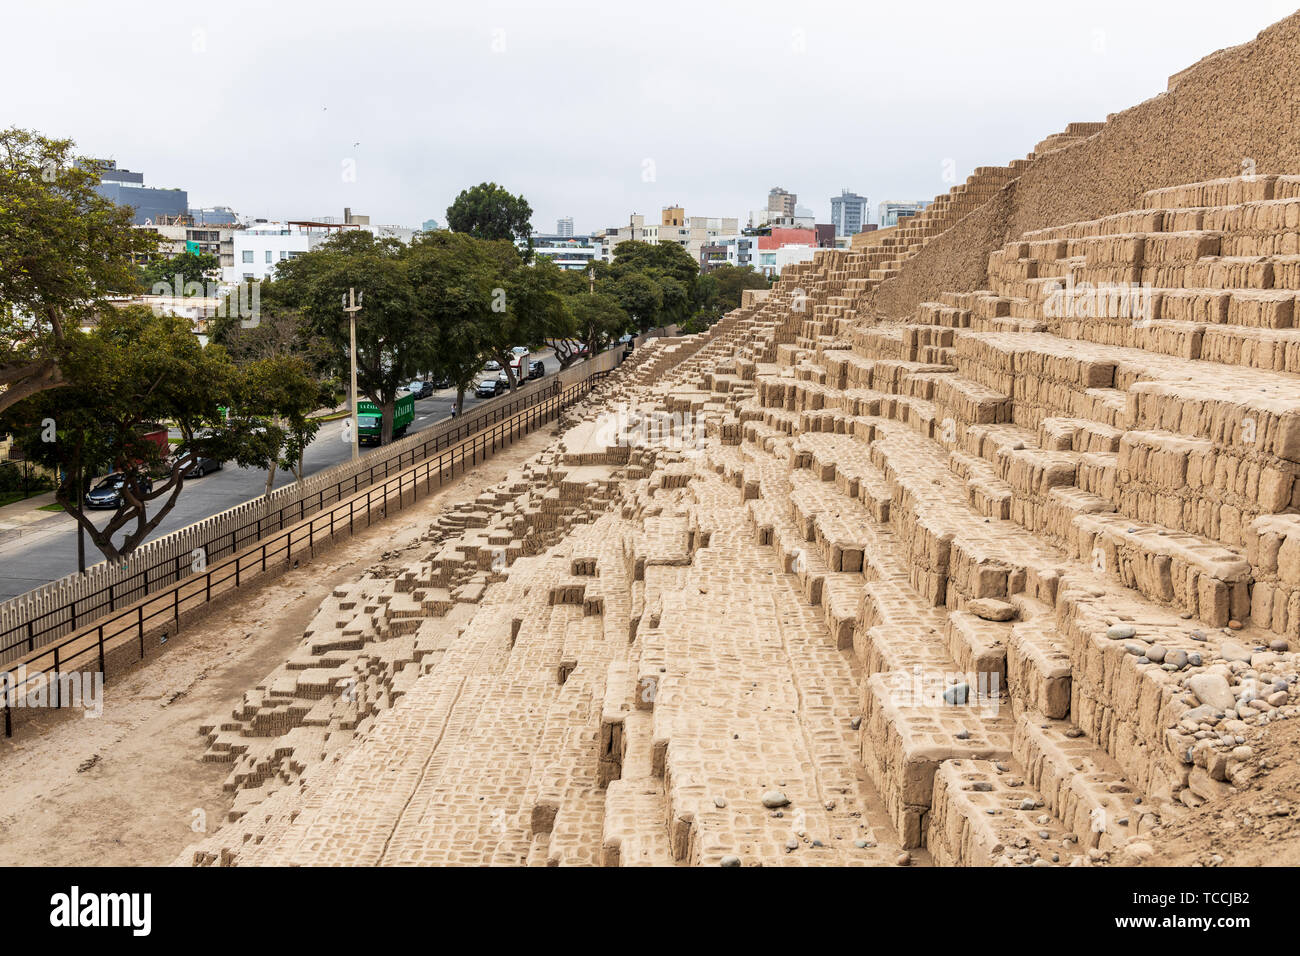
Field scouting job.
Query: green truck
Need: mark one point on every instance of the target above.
(370, 422)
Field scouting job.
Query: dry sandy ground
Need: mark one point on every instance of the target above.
(128, 788)
(1256, 826)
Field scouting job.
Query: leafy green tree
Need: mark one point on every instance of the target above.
(598, 320)
(455, 285)
(63, 248)
(535, 308)
(655, 259)
(279, 330)
(675, 301)
(133, 370)
(395, 342)
(178, 272)
(276, 396)
(730, 283)
(640, 296)
(488, 211)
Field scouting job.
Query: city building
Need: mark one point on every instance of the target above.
(564, 226)
(849, 213)
(214, 216)
(430, 225)
(262, 246)
(403, 234)
(780, 204)
(177, 238)
(149, 203)
(890, 210)
(689, 232)
(566, 251)
(767, 251)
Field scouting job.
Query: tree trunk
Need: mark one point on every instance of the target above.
(81, 528)
(386, 424)
(460, 401)
(510, 374)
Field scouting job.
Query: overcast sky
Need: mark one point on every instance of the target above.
(591, 110)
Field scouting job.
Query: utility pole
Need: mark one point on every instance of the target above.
(352, 305)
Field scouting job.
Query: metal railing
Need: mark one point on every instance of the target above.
(39, 626)
(170, 604)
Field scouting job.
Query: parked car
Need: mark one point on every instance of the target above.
(536, 370)
(420, 388)
(200, 465)
(490, 387)
(440, 383)
(108, 493)
(492, 366)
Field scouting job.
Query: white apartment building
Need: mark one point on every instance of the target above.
(567, 252)
(264, 245)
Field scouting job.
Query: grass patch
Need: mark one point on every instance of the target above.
(9, 497)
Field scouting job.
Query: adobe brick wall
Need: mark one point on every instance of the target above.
(1237, 104)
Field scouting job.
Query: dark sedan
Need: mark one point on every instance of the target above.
(420, 389)
(490, 387)
(108, 493)
(536, 370)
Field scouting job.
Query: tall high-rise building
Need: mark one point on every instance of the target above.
(780, 204)
(430, 225)
(849, 213)
(564, 227)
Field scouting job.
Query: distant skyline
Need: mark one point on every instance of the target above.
(589, 110)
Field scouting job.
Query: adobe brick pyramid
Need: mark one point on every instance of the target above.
(1010, 576)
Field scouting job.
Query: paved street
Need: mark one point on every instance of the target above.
(34, 550)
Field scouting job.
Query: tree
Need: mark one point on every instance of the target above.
(176, 273)
(535, 308)
(63, 248)
(279, 330)
(675, 301)
(487, 211)
(133, 370)
(656, 259)
(275, 397)
(640, 296)
(395, 343)
(597, 320)
(455, 287)
(730, 283)
(655, 283)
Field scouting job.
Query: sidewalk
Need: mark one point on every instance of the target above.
(27, 511)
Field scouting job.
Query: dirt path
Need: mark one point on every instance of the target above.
(129, 788)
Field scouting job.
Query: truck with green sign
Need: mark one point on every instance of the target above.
(370, 422)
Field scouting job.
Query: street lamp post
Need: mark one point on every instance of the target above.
(352, 305)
